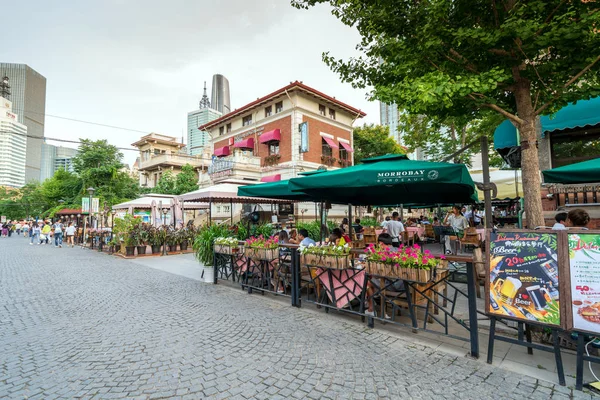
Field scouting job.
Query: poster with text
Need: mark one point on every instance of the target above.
(523, 279)
(584, 268)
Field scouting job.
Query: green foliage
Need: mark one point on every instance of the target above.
(126, 228)
(369, 222)
(265, 230)
(186, 181)
(314, 228)
(98, 164)
(242, 231)
(204, 242)
(166, 183)
(439, 138)
(373, 140)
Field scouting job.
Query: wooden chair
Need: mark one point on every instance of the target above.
(408, 237)
(470, 238)
(429, 233)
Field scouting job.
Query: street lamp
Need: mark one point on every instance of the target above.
(101, 240)
(77, 224)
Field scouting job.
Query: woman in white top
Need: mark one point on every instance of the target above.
(70, 235)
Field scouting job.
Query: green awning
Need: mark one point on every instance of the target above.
(277, 190)
(505, 136)
(575, 115)
(583, 172)
(391, 179)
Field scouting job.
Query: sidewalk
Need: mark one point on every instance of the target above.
(540, 365)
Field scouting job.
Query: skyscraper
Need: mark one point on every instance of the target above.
(13, 146)
(220, 94)
(28, 95)
(55, 158)
(197, 139)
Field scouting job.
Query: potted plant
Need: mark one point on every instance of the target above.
(328, 255)
(261, 248)
(130, 241)
(172, 239)
(204, 248)
(115, 243)
(143, 238)
(156, 237)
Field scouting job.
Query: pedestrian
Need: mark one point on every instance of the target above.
(394, 228)
(5, 229)
(25, 228)
(70, 235)
(18, 227)
(58, 233)
(10, 227)
(35, 234)
(46, 233)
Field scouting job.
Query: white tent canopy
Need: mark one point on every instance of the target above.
(146, 203)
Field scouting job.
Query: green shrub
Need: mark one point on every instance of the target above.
(368, 221)
(204, 242)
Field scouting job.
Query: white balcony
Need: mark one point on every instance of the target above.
(168, 160)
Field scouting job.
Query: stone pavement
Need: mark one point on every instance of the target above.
(78, 324)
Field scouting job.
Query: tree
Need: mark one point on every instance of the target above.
(166, 183)
(186, 181)
(443, 58)
(440, 138)
(99, 165)
(373, 140)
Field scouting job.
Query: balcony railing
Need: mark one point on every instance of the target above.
(172, 159)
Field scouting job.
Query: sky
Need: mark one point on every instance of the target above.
(142, 64)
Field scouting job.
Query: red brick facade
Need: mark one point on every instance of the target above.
(262, 150)
(315, 127)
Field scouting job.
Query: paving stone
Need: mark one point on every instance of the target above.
(78, 324)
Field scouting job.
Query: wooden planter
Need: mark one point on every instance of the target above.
(260, 254)
(327, 261)
(391, 271)
(225, 249)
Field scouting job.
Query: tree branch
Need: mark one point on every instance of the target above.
(502, 111)
(502, 52)
(566, 85)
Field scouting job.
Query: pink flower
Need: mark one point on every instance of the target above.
(442, 257)
(404, 258)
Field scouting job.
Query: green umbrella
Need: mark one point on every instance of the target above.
(583, 172)
(277, 190)
(391, 179)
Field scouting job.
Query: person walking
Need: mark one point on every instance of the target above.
(35, 234)
(58, 233)
(26, 227)
(18, 227)
(70, 232)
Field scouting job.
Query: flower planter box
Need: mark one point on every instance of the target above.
(261, 254)
(225, 249)
(327, 261)
(391, 271)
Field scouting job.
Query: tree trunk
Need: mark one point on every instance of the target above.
(530, 165)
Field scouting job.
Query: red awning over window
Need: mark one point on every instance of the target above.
(222, 151)
(271, 178)
(245, 144)
(271, 136)
(347, 147)
(330, 142)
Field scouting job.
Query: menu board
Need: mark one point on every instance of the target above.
(584, 273)
(523, 279)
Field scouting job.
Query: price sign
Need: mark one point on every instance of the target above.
(584, 282)
(523, 277)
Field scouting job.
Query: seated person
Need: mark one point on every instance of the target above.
(336, 237)
(304, 239)
(561, 219)
(358, 228)
(294, 237)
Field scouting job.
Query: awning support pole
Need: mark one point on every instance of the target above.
(210, 212)
(485, 163)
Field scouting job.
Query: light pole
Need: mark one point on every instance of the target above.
(112, 223)
(91, 191)
(77, 225)
(165, 211)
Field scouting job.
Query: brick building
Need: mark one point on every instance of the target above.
(293, 129)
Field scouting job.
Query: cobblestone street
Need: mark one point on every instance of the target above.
(78, 324)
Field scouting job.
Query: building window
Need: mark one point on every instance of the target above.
(219, 209)
(322, 110)
(343, 154)
(247, 120)
(331, 113)
(221, 130)
(273, 148)
(226, 209)
(278, 107)
(228, 129)
(268, 111)
(326, 150)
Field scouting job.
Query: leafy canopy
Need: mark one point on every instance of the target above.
(372, 141)
(452, 58)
